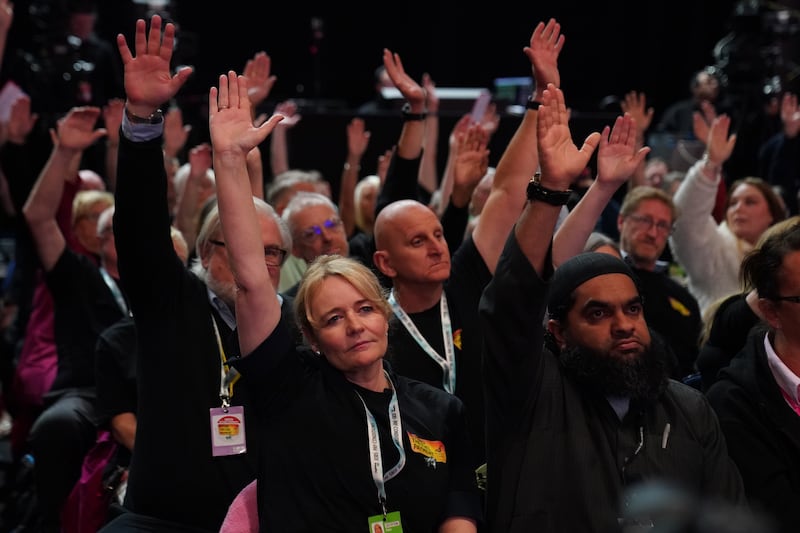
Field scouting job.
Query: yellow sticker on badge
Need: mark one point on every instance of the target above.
(457, 338)
(428, 448)
(679, 307)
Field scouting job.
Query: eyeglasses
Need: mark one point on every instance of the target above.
(273, 256)
(646, 222)
(312, 233)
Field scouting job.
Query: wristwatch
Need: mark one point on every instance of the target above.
(408, 115)
(537, 192)
(156, 118)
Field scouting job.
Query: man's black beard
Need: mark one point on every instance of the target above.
(640, 378)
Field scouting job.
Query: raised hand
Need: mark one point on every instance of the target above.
(617, 157)
(290, 115)
(230, 120)
(357, 138)
(21, 120)
(383, 164)
(76, 130)
(634, 104)
(112, 118)
(701, 120)
(148, 80)
(790, 116)
(259, 80)
(176, 133)
(6, 15)
(470, 164)
(545, 46)
(431, 98)
(719, 144)
(560, 160)
(410, 89)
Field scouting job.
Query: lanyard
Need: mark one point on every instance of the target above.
(376, 460)
(228, 375)
(448, 362)
(112, 286)
(792, 403)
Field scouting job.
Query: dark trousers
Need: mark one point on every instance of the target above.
(59, 440)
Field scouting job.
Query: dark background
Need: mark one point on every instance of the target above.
(611, 48)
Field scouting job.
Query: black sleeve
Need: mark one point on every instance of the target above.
(401, 182)
(454, 224)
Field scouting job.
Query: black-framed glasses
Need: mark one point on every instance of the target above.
(312, 233)
(646, 222)
(273, 255)
(792, 299)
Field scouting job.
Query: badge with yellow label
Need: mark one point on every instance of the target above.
(429, 448)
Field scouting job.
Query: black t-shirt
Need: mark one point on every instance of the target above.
(83, 308)
(671, 310)
(115, 370)
(315, 472)
(468, 276)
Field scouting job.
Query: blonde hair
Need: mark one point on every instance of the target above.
(84, 201)
(353, 272)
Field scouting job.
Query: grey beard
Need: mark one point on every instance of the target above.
(643, 378)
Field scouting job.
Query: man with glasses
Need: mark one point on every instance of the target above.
(645, 223)
(185, 322)
(316, 229)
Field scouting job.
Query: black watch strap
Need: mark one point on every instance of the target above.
(537, 192)
(408, 115)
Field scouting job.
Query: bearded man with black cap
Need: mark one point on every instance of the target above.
(577, 419)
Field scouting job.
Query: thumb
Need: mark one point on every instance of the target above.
(590, 144)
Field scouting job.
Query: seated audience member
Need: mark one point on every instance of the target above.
(780, 155)
(185, 321)
(711, 253)
(756, 395)
(575, 421)
(392, 472)
(279, 193)
(599, 242)
(730, 320)
(435, 293)
(645, 222)
(86, 300)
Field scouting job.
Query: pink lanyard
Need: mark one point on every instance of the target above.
(791, 401)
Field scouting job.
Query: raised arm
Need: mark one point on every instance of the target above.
(233, 136)
(402, 175)
(176, 133)
(74, 133)
(635, 105)
(428, 178)
(112, 118)
(278, 143)
(196, 189)
(520, 159)
(6, 18)
(561, 163)
(357, 142)
(617, 158)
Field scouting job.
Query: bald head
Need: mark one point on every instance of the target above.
(395, 217)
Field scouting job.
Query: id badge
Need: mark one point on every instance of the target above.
(227, 431)
(391, 525)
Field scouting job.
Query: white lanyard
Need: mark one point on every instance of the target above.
(376, 460)
(227, 376)
(112, 286)
(448, 362)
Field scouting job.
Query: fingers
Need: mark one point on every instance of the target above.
(222, 97)
(140, 38)
(154, 36)
(590, 144)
